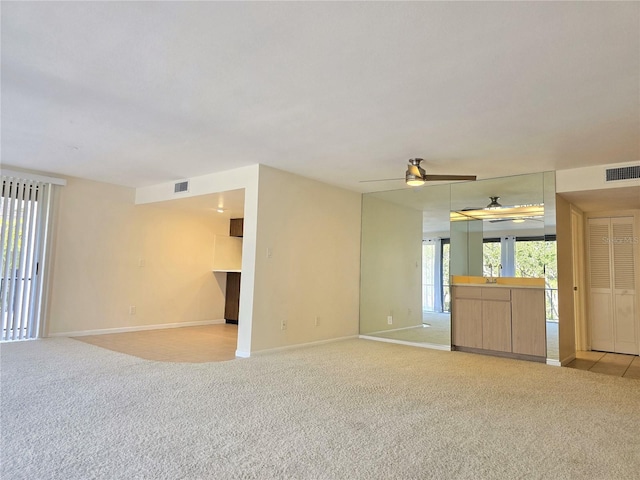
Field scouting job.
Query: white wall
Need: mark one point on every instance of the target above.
(590, 178)
(100, 238)
(391, 279)
(312, 231)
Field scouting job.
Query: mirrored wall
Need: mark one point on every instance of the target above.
(416, 240)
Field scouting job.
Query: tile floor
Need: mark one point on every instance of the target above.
(207, 343)
(627, 366)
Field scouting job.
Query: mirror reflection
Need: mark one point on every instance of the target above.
(416, 242)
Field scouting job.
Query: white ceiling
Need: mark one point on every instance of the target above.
(138, 93)
(622, 198)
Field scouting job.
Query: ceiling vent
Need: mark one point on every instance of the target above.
(623, 173)
(181, 187)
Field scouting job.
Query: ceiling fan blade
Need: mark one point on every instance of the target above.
(431, 178)
(533, 219)
(381, 180)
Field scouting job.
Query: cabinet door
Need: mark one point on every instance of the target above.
(496, 325)
(236, 227)
(529, 323)
(232, 301)
(467, 322)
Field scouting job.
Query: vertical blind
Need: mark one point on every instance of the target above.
(24, 205)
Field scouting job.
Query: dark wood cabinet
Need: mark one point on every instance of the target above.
(232, 299)
(236, 226)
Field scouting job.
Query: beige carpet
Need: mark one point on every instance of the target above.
(347, 410)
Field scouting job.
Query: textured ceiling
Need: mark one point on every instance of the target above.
(138, 93)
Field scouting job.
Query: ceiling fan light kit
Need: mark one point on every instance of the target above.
(494, 203)
(415, 173)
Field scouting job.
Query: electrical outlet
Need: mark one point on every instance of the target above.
(141, 262)
(132, 310)
(283, 325)
(269, 252)
(390, 320)
(317, 321)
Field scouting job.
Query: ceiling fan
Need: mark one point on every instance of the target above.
(495, 212)
(416, 175)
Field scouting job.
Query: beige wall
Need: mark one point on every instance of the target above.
(391, 279)
(313, 233)
(100, 238)
(566, 323)
(245, 178)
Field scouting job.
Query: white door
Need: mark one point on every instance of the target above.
(612, 302)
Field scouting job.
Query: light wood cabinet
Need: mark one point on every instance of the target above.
(502, 320)
(468, 328)
(528, 322)
(496, 325)
(468, 331)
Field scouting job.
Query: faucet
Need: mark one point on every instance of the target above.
(491, 279)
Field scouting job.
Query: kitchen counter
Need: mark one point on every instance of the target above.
(500, 282)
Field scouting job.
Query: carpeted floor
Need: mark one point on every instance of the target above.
(435, 330)
(354, 409)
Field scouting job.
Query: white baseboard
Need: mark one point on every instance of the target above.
(292, 347)
(396, 329)
(136, 328)
(555, 363)
(432, 346)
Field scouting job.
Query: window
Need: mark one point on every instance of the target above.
(23, 236)
(429, 276)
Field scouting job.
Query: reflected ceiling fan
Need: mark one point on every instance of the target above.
(495, 212)
(415, 175)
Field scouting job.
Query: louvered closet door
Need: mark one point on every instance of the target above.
(613, 311)
(624, 289)
(600, 297)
